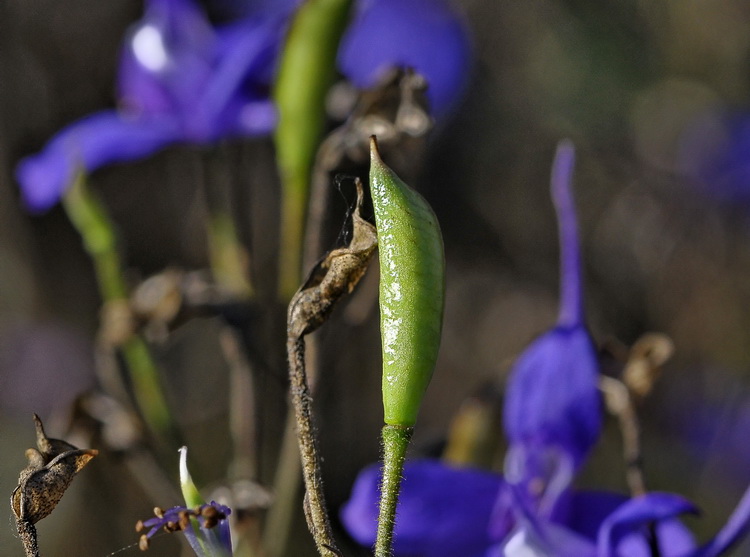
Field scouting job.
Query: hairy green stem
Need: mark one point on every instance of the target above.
(395, 442)
(97, 231)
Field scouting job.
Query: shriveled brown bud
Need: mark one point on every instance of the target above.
(645, 361)
(43, 482)
(335, 275)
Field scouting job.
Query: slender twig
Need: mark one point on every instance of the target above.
(315, 508)
(27, 532)
(333, 277)
(620, 404)
(242, 418)
(288, 478)
(286, 486)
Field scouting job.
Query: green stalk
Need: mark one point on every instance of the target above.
(286, 484)
(228, 257)
(97, 231)
(395, 442)
(306, 72)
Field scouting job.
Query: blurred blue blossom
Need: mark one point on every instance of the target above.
(183, 80)
(552, 419)
(180, 80)
(426, 35)
(714, 151)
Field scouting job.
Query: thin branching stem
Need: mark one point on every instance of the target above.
(620, 404)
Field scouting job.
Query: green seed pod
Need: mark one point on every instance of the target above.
(412, 290)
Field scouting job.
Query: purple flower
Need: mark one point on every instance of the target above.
(180, 80)
(425, 35)
(205, 525)
(213, 538)
(552, 419)
(434, 499)
(552, 413)
(714, 151)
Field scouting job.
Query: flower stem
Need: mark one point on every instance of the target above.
(306, 71)
(97, 231)
(286, 485)
(27, 533)
(228, 257)
(395, 442)
(315, 507)
(288, 478)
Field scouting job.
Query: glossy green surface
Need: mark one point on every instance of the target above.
(412, 288)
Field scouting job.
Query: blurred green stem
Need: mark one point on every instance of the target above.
(90, 218)
(306, 71)
(395, 442)
(229, 258)
(286, 486)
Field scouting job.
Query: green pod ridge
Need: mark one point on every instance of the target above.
(412, 290)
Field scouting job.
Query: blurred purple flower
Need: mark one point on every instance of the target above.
(715, 152)
(552, 419)
(552, 414)
(180, 80)
(426, 35)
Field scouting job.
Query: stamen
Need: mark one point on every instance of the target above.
(184, 520)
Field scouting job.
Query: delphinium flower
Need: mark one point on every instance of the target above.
(180, 80)
(552, 420)
(426, 35)
(205, 525)
(183, 80)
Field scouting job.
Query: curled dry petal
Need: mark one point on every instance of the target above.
(335, 275)
(43, 482)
